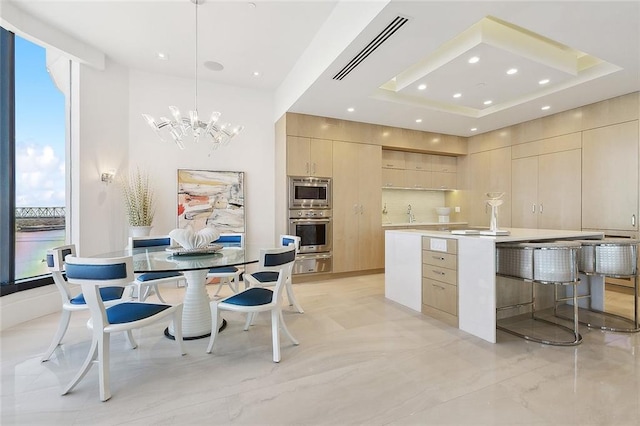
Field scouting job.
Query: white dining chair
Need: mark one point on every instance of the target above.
(254, 300)
(228, 275)
(73, 303)
(148, 282)
(93, 273)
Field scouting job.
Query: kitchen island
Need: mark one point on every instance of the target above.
(476, 269)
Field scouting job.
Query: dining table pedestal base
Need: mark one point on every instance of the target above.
(196, 311)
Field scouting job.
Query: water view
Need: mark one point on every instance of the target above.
(31, 251)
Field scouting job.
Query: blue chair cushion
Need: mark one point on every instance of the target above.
(150, 276)
(106, 293)
(133, 311)
(252, 297)
(266, 276)
(225, 270)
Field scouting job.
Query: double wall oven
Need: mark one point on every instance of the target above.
(310, 219)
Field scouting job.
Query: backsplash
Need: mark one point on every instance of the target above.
(423, 205)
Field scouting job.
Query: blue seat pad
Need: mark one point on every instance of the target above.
(133, 311)
(225, 270)
(106, 293)
(150, 276)
(252, 297)
(266, 276)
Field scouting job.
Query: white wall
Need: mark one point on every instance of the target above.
(252, 151)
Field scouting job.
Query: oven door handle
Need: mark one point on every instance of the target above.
(313, 256)
(309, 221)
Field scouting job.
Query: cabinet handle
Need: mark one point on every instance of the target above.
(307, 167)
(313, 170)
(389, 165)
(439, 286)
(438, 257)
(437, 272)
(533, 208)
(355, 209)
(541, 208)
(633, 220)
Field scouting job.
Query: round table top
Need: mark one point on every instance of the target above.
(158, 259)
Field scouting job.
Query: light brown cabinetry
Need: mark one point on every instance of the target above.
(394, 178)
(440, 281)
(546, 191)
(357, 212)
(490, 171)
(393, 159)
(610, 177)
(309, 157)
(417, 170)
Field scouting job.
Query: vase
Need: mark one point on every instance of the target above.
(139, 231)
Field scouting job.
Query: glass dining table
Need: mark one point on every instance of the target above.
(196, 312)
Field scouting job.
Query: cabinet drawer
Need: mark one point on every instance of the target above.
(437, 258)
(440, 296)
(449, 276)
(452, 245)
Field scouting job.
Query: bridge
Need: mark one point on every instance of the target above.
(40, 212)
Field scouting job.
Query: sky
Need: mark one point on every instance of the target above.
(40, 131)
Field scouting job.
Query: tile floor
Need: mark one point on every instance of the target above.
(361, 360)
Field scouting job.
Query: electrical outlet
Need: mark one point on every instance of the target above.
(457, 209)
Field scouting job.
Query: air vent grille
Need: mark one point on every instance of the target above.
(394, 26)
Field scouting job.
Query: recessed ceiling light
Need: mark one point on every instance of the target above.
(419, 120)
(546, 107)
(487, 102)
(543, 81)
(350, 109)
(162, 56)
(512, 71)
(435, 140)
(457, 95)
(473, 129)
(473, 59)
(422, 87)
(252, 5)
(256, 73)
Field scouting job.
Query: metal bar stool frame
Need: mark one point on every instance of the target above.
(592, 270)
(574, 282)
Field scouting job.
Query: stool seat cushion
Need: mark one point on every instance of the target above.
(106, 293)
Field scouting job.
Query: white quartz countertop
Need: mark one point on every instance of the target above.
(404, 224)
(516, 234)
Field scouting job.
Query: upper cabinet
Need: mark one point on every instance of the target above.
(418, 171)
(610, 177)
(309, 157)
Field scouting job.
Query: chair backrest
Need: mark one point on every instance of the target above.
(155, 241)
(275, 259)
(290, 240)
(92, 273)
(56, 264)
(231, 239)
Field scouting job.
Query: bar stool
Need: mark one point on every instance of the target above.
(549, 263)
(614, 258)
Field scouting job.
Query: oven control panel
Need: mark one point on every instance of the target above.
(309, 214)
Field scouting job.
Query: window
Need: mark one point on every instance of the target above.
(33, 147)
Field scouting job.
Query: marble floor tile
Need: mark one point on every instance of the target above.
(361, 360)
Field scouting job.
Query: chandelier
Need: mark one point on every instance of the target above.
(178, 126)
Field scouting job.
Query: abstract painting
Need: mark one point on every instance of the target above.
(211, 198)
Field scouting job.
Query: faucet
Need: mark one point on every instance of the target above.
(412, 218)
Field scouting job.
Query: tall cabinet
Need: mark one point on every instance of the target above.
(491, 172)
(357, 216)
(610, 177)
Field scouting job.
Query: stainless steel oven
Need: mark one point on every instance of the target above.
(309, 192)
(314, 229)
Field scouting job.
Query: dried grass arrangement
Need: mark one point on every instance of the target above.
(139, 198)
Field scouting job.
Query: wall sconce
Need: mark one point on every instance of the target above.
(107, 177)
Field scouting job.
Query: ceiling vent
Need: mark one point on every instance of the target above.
(394, 26)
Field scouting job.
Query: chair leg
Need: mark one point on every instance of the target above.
(292, 298)
(57, 338)
(103, 367)
(157, 290)
(250, 317)
(93, 351)
(130, 339)
(177, 329)
(214, 326)
(275, 334)
(286, 330)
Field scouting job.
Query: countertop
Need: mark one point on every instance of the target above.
(405, 224)
(516, 234)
